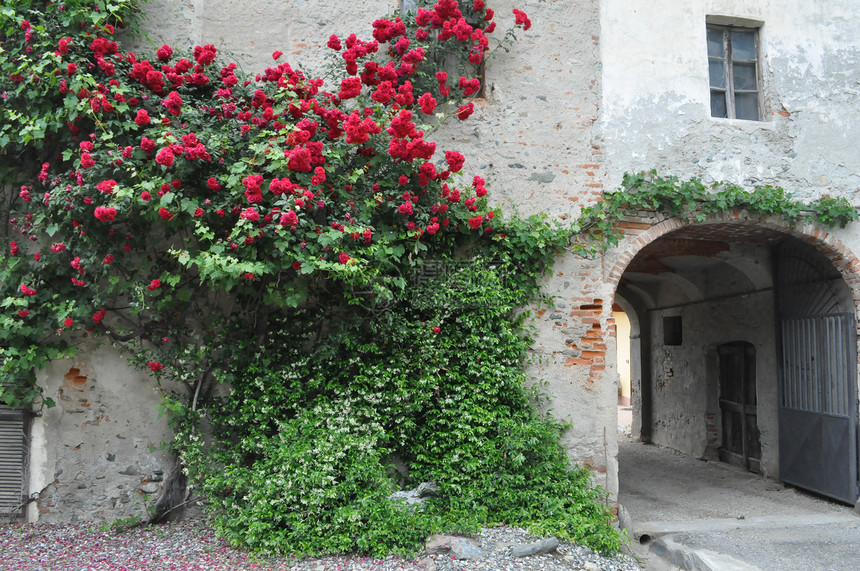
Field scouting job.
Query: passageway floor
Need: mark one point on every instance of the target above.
(710, 515)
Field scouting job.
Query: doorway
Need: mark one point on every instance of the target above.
(741, 444)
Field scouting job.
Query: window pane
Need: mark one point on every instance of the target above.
(743, 45)
(718, 104)
(717, 72)
(744, 75)
(746, 106)
(715, 43)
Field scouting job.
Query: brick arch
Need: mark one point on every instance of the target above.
(640, 232)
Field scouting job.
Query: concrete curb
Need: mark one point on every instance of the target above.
(689, 559)
(661, 544)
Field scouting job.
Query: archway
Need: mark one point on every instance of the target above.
(699, 290)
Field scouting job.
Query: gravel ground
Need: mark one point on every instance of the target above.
(192, 545)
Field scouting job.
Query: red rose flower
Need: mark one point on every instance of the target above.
(27, 290)
(455, 160)
(165, 157)
(155, 365)
(142, 118)
(165, 213)
(521, 19)
(475, 223)
(105, 214)
(106, 186)
(99, 316)
(343, 258)
(250, 214)
(154, 285)
(164, 52)
(68, 322)
(23, 312)
(465, 111)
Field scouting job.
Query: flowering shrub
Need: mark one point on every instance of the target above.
(259, 231)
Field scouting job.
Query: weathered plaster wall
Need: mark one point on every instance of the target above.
(655, 111)
(686, 383)
(97, 454)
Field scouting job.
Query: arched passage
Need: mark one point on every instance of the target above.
(698, 290)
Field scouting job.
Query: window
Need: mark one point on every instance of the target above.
(672, 330)
(733, 68)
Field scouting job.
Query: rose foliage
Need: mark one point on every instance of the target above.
(299, 246)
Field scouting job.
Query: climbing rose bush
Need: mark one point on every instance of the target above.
(256, 230)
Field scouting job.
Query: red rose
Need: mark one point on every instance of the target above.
(165, 213)
(107, 186)
(68, 322)
(521, 19)
(142, 118)
(105, 214)
(27, 290)
(465, 111)
(455, 160)
(155, 365)
(108, 259)
(99, 316)
(164, 52)
(165, 157)
(23, 313)
(154, 285)
(343, 258)
(475, 223)
(276, 55)
(250, 214)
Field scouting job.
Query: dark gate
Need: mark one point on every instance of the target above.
(818, 379)
(740, 442)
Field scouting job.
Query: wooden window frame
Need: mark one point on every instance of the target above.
(729, 61)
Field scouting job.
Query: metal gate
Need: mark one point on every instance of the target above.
(818, 379)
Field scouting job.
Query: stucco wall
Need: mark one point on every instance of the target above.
(97, 454)
(656, 113)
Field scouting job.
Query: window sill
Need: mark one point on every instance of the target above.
(742, 124)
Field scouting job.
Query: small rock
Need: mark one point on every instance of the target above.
(591, 566)
(458, 547)
(536, 548)
(149, 488)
